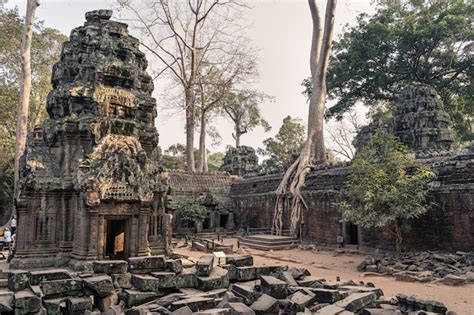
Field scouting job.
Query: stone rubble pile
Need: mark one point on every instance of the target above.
(448, 268)
(157, 285)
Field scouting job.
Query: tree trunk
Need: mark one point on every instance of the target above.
(289, 191)
(190, 116)
(398, 237)
(237, 139)
(25, 90)
(202, 164)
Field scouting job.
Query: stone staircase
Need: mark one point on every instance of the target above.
(269, 242)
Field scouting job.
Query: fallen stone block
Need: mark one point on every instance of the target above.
(246, 292)
(326, 295)
(302, 300)
(215, 311)
(269, 270)
(194, 303)
(310, 281)
(380, 311)
(104, 303)
(165, 280)
(274, 287)
(239, 260)
(240, 309)
(299, 273)
(26, 302)
(18, 280)
(453, 280)
(101, 286)
(146, 264)
(187, 278)
(288, 278)
(185, 310)
(168, 299)
(354, 289)
(232, 271)
(122, 280)
(265, 304)
(54, 306)
(6, 303)
(59, 288)
(133, 297)
(204, 265)
(146, 283)
(174, 265)
(246, 273)
(36, 290)
(78, 305)
(47, 275)
(331, 310)
(217, 279)
(357, 301)
(110, 266)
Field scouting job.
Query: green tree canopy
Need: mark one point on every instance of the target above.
(386, 186)
(191, 212)
(286, 143)
(403, 42)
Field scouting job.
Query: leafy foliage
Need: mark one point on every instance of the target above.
(191, 212)
(386, 187)
(407, 41)
(285, 145)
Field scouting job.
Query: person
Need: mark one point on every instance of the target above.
(7, 238)
(13, 224)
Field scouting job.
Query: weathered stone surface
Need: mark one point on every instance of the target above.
(215, 311)
(110, 266)
(6, 303)
(241, 161)
(357, 301)
(232, 270)
(265, 304)
(58, 288)
(77, 305)
(146, 283)
(194, 303)
(288, 278)
(187, 278)
(311, 281)
(165, 280)
(122, 280)
(379, 311)
(326, 295)
(101, 286)
(274, 287)
(378, 292)
(133, 297)
(239, 260)
(185, 310)
(453, 280)
(18, 280)
(204, 265)
(331, 310)
(37, 276)
(217, 279)
(27, 302)
(104, 303)
(302, 300)
(174, 265)
(240, 309)
(146, 264)
(245, 292)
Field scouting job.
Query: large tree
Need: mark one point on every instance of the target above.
(243, 109)
(182, 37)
(45, 49)
(403, 42)
(286, 143)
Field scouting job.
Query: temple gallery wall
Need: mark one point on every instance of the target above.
(92, 187)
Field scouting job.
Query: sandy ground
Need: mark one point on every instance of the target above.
(329, 265)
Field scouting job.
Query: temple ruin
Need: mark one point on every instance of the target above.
(91, 185)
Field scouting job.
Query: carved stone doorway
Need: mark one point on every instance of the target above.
(115, 239)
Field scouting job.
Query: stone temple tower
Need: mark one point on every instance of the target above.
(91, 188)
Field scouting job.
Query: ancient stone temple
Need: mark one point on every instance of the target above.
(91, 187)
(240, 161)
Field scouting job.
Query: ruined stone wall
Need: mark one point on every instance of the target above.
(449, 225)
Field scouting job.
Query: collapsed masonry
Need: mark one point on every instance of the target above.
(155, 285)
(91, 186)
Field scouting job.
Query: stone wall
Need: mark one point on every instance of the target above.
(449, 225)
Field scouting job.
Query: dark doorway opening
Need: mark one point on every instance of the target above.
(352, 233)
(223, 220)
(205, 223)
(115, 239)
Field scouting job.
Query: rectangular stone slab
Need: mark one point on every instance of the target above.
(204, 265)
(174, 265)
(241, 309)
(76, 304)
(165, 280)
(37, 276)
(245, 292)
(146, 264)
(134, 297)
(274, 287)
(59, 288)
(326, 295)
(146, 283)
(27, 302)
(302, 300)
(101, 286)
(194, 303)
(6, 303)
(265, 304)
(354, 289)
(239, 260)
(217, 279)
(110, 266)
(357, 301)
(18, 280)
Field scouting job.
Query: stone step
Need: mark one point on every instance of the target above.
(269, 242)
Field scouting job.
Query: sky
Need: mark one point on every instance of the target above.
(281, 31)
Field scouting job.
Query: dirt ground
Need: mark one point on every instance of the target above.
(329, 265)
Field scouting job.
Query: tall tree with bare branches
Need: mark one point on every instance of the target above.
(184, 37)
(313, 152)
(25, 90)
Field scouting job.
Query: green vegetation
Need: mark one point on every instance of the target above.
(386, 187)
(191, 213)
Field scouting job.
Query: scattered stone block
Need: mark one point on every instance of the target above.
(26, 302)
(240, 309)
(239, 260)
(187, 278)
(217, 279)
(269, 270)
(274, 287)
(146, 283)
(165, 280)
(6, 303)
(101, 286)
(310, 281)
(265, 304)
(185, 310)
(246, 273)
(133, 297)
(18, 280)
(371, 268)
(204, 265)
(110, 266)
(59, 288)
(247, 293)
(194, 303)
(36, 290)
(174, 265)
(299, 273)
(353, 289)
(331, 310)
(122, 280)
(78, 305)
(104, 303)
(326, 295)
(232, 270)
(453, 280)
(302, 300)
(47, 275)
(215, 311)
(357, 301)
(54, 306)
(380, 311)
(146, 264)
(288, 278)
